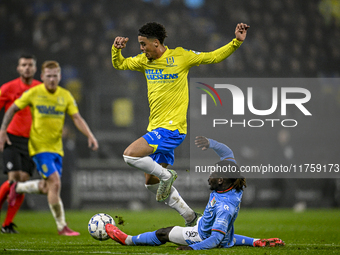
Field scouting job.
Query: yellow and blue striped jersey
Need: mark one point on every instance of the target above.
(48, 115)
(167, 81)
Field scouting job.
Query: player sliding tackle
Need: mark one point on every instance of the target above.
(216, 227)
(166, 72)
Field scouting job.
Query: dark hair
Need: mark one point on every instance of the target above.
(239, 183)
(230, 172)
(153, 30)
(28, 56)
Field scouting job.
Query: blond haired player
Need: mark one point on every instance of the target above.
(49, 104)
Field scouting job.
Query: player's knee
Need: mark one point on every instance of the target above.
(130, 160)
(53, 188)
(54, 185)
(163, 234)
(127, 152)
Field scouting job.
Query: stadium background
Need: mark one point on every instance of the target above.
(287, 39)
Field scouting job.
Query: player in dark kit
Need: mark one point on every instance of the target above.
(17, 163)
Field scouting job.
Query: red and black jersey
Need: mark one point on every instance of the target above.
(22, 120)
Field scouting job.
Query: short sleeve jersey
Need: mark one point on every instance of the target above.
(48, 115)
(167, 81)
(22, 120)
(220, 214)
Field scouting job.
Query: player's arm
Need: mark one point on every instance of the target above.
(225, 51)
(222, 150)
(118, 61)
(218, 231)
(222, 53)
(211, 242)
(5, 122)
(82, 126)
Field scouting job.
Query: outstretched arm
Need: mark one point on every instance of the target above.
(118, 61)
(222, 150)
(5, 122)
(225, 51)
(211, 242)
(82, 126)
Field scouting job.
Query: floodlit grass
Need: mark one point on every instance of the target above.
(308, 232)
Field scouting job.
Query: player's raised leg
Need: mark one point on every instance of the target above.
(157, 147)
(176, 202)
(137, 155)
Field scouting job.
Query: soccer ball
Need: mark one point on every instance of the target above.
(97, 226)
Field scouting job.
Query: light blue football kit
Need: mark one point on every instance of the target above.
(216, 227)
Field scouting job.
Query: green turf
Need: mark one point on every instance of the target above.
(309, 232)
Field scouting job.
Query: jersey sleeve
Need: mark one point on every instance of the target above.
(24, 100)
(213, 57)
(222, 150)
(72, 107)
(211, 242)
(2, 98)
(121, 63)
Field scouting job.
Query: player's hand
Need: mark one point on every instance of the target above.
(184, 248)
(93, 143)
(4, 139)
(241, 31)
(202, 142)
(120, 42)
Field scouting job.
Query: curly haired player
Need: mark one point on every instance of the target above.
(216, 227)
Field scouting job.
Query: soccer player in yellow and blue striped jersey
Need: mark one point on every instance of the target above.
(49, 104)
(166, 72)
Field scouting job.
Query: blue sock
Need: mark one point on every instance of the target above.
(148, 238)
(243, 240)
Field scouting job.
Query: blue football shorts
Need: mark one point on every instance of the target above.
(47, 163)
(164, 142)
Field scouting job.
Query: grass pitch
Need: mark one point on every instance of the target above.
(308, 232)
